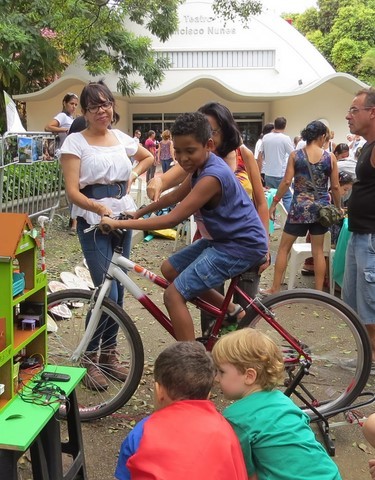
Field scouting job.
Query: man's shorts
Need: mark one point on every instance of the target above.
(359, 276)
(202, 267)
(301, 229)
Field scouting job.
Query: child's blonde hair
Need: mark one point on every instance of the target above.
(249, 348)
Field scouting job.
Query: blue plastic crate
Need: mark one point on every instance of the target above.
(18, 283)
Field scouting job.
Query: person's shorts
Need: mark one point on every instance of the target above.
(201, 267)
(359, 276)
(301, 229)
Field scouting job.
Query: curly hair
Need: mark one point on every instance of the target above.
(249, 348)
(313, 131)
(185, 370)
(231, 136)
(194, 124)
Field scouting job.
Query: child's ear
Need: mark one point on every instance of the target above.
(161, 397)
(210, 145)
(250, 376)
(159, 392)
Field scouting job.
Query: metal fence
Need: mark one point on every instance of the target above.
(30, 174)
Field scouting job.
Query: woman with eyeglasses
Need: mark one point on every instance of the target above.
(98, 174)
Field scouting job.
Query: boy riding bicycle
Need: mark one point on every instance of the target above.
(238, 239)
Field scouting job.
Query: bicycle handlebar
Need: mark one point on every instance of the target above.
(107, 228)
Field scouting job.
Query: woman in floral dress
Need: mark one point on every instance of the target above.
(303, 213)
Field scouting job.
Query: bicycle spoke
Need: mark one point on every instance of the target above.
(96, 402)
(338, 348)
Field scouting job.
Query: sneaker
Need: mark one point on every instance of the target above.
(111, 365)
(94, 378)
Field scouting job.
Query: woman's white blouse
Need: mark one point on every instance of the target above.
(104, 165)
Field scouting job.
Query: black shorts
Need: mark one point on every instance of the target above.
(301, 229)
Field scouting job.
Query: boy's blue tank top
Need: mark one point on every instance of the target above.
(234, 224)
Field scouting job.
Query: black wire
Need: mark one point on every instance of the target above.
(43, 393)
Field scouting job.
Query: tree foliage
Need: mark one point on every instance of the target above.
(40, 38)
(343, 31)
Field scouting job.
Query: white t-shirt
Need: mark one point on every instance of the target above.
(301, 144)
(347, 165)
(104, 165)
(276, 148)
(257, 148)
(64, 121)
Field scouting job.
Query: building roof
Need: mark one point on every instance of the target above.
(12, 227)
(264, 59)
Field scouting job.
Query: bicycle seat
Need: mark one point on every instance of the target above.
(255, 267)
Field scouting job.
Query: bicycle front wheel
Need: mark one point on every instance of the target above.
(69, 310)
(331, 333)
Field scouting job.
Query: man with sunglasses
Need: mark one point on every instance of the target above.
(359, 276)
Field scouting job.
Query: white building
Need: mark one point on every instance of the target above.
(259, 71)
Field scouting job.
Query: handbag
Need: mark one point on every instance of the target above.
(328, 215)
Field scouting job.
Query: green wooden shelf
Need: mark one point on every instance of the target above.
(19, 252)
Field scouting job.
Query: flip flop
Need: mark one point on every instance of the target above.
(307, 273)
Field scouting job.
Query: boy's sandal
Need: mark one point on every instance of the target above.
(231, 318)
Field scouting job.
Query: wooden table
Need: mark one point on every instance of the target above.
(27, 425)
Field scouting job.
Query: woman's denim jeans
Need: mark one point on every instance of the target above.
(97, 249)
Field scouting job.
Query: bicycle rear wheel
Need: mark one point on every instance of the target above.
(332, 334)
(94, 404)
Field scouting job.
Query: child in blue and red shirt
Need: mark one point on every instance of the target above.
(185, 438)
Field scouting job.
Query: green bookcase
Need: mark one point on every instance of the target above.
(19, 253)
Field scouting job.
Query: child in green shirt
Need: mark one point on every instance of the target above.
(275, 436)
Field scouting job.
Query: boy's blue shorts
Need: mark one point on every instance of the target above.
(201, 267)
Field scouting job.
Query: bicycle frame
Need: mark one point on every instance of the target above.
(118, 268)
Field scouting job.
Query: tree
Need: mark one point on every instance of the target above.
(343, 31)
(40, 38)
(366, 67)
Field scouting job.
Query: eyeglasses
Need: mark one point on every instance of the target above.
(95, 108)
(354, 110)
(215, 131)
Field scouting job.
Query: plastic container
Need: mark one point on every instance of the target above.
(18, 283)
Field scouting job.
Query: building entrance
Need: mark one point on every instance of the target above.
(250, 125)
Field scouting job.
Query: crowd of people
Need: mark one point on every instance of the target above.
(221, 182)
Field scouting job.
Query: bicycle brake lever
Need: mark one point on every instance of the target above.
(90, 229)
